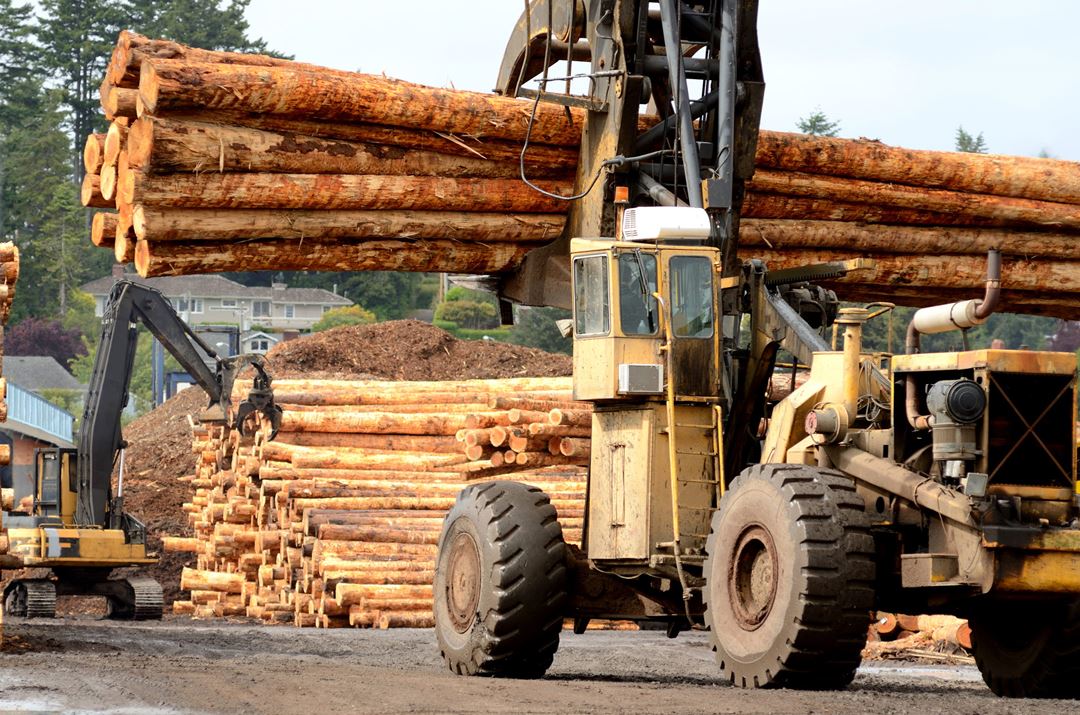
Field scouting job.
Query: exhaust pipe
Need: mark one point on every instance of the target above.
(960, 315)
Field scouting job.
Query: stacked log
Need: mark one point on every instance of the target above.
(9, 274)
(335, 522)
(365, 172)
(220, 161)
(523, 433)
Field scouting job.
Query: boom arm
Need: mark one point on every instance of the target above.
(99, 437)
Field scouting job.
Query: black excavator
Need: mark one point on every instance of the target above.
(77, 527)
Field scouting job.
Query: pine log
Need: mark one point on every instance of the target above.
(183, 608)
(1029, 212)
(170, 85)
(120, 102)
(543, 159)
(338, 191)
(124, 246)
(175, 258)
(198, 225)
(405, 619)
(529, 385)
(352, 594)
(180, 544)
(402, 442)
(760, 205)
(192, 579)
(840, 235)
(108, 182)
(579, 418)
(937, 270)
(1024, 177)
(115, 141)
(103, 228)
(346, 395)
(94, 153)
(161, 146)
(354, 475)
(391, 422)
(90, 193)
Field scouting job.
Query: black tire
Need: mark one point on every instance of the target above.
(789, 578)
(1028, 649)
(500, 582)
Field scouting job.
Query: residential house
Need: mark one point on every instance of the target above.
(34, 422)
(215, 300)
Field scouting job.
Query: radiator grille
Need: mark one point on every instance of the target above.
(1031, 430)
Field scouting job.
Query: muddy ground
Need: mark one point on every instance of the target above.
(183, 666)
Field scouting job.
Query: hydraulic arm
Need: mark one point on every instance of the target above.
(100, 438)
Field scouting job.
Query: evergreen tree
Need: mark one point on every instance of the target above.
(208, 24)
(968, 143)
(818, 124)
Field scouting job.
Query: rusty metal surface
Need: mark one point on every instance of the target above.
(1020, 361)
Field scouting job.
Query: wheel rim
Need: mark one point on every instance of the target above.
(463, 582)
(752, 580)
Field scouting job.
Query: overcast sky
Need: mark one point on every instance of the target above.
(908, 73)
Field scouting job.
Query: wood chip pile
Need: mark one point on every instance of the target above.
(335, 522)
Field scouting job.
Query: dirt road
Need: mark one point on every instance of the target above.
(180, 666)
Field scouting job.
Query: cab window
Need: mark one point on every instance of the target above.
(691, 297)
(637, 283)
(591, 305)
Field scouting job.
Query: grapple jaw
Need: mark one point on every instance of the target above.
(260, 398)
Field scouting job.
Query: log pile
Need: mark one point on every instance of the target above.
(9, 274)
(357, 168)
(219, 161)
(335, 522)
(541, 430)
(930, 637)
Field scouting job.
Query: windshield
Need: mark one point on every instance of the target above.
(637, 283)
(691, 297)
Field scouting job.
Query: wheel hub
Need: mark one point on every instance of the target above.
(463, 582)
(752, 580)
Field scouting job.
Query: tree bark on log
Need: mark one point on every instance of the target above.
(120, 102)
(760, 205)
(1022, 177)
(198, 225)
(169, 85)
(783, 235)
(338, 191)
(162, 146)
(1028, 212)
(541, 157)
(177, 259)
(938, 271)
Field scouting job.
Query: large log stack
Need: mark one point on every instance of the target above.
(9, 274)
(219, 161)
(335, 522)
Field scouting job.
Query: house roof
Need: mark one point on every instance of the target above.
(213, 286)
(39, 372)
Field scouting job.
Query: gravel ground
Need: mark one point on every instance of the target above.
(182, 666)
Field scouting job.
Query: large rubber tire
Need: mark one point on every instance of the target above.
(1028, 649)
(789, 578)
(500, 582)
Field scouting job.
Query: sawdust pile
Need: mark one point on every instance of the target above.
(159, 443)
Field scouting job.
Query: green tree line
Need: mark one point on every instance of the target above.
(53, 55)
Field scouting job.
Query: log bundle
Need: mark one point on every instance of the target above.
(219, 161)
(335, 522)
(9, 274)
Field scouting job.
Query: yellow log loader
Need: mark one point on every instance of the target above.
(76, 526)
(921, 482)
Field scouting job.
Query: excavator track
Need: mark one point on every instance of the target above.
(31, 598)
(141, 599)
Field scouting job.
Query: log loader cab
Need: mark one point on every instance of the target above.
(76, 524)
